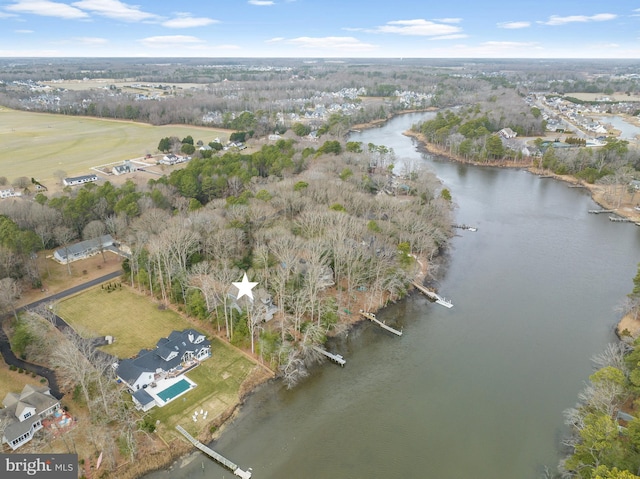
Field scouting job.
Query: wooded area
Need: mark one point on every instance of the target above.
(324, 225)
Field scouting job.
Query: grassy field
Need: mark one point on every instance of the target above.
(37, 144)
(218, 379)
(13, 381)
(133, 320)
(137, 323)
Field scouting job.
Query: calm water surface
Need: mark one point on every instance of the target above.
(628, 131)
(474, 391)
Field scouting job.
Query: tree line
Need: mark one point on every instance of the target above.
(604, 427)
(470, 132)
(319, 228)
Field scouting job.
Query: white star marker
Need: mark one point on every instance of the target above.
(244, 287)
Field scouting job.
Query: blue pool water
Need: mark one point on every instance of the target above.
(174, 390)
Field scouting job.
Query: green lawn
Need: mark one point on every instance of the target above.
(13, 381)
(137, 323)
(218, 379)
(37, 144)
(133, 320)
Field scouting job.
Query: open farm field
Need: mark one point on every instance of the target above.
(129, 85)
(35, 145)
(617, 96)
(133, 320)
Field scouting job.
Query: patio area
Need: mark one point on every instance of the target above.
(59, 422)
(166, 390)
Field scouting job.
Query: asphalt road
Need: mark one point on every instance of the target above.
(11, 359)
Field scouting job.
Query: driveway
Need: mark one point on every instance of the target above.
(11, 359)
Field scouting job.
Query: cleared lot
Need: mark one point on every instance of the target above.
(37, 144)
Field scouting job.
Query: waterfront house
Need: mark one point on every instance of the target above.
(172, 356)
(24, 412)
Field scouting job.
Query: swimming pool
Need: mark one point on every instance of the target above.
(174, 390)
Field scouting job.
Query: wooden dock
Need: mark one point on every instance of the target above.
(617, 219)
(373, 318)
(434, 296)
(215, 456)
(334, 357)
(465, 227)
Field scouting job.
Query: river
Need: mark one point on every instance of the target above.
(473, 391)
(628, 131)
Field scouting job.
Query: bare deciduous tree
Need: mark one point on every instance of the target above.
(9, 294)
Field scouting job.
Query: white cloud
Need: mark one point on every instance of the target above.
(47, 9)
(600, 17)
(185, 20)
(448, 20)
(514, 25)
(509, 45)
(168, 41)
(450, 37)
(275, 40)
(418, 27)
(91, 40)
(261, 3)
(332, 43)
(115, 9)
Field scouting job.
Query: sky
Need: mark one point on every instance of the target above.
(321, 28)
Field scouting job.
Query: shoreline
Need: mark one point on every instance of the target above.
(176, 455)
(180, 454)
(597, 192)
(628, 326)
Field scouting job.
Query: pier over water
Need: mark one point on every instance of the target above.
(215, 456)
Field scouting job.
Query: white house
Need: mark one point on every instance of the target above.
(507, 133)
(172, 159)
(24, 413)
(172, 356)
(122, 169)
(82, 249)
(79, 180)
(9, 193)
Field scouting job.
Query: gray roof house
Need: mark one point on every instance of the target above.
(24, 413)
(171, 355)
(82, 249)
(79, 180)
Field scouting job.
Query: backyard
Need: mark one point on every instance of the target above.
(135, 321)
(219, 380)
